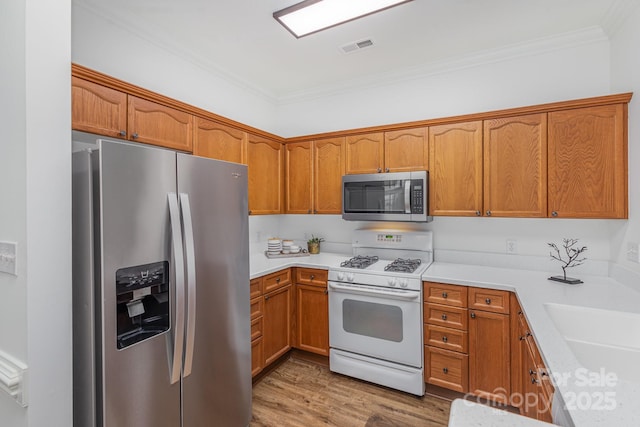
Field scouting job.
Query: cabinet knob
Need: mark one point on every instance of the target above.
(531, 372)
(249, 212)
(488, 301)
(266, 297)
(278, 280)
(379, 170)
(444, 317)
(534, 381)
(444, 295)
(386, 170)
(473, 315)
(554, 214)
(312, 277)
(445, 370)
(326, 291)
(488, 213)
(134, 136)
(445, 339)
(315, 211)
(309, 211)
(478, 213)
(123, 133)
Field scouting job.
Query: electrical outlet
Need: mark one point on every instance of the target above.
(512, 246)
(8, 260)
(632, 251)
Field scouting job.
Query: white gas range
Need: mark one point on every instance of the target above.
(375, 309)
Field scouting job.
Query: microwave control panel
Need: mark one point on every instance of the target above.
(417, 205)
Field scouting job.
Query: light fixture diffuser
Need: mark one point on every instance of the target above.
(311, 16)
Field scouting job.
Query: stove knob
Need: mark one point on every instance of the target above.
(392, 281)
(350, 277)
(341, 275)
(403, 283)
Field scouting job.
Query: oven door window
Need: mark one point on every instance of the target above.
(374, 320)
(374, 197)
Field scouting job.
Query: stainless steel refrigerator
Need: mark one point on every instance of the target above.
(160, 289)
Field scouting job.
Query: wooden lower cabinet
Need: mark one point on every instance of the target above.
(312, 319)
(277, 323)
(489, 355)
(257, 356)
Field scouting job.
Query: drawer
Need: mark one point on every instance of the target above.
(446, 338)
(445, 315)
(256, 328)
(441, 293)
(489, 300)
(446, 369)
(276, 280)
(257, 308)
(311, 276)
(255, 287)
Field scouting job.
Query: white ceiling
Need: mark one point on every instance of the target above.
(240, 40)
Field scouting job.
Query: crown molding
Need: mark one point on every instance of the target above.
(617, 15)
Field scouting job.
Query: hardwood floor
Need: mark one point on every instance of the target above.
(306, 394)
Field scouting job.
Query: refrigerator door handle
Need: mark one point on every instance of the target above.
(189, 247)
(178, 259)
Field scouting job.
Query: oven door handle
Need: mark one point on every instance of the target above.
(359, 290)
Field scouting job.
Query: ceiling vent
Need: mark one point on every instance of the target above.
(356, 46)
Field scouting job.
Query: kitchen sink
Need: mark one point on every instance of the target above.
(600, 339)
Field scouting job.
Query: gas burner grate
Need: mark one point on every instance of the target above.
(403, 265)
(359, 261)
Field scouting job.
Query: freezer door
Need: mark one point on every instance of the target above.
(135, 243)
(217, 374)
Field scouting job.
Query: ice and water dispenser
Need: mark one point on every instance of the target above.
(142, 294)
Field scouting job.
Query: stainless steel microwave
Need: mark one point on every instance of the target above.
(396, 196)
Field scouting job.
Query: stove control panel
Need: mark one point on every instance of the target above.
(390, 238)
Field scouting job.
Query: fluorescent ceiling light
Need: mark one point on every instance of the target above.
(311, 16)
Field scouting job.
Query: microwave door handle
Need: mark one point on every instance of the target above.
(407, 196)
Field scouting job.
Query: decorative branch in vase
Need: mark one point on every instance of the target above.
(573, 259)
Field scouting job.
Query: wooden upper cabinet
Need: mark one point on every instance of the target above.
(218, 141)
(365, 153)
(406, 150)
(455, 169)
(266, 172)
(298, 178)
(157, 124)
(328, 168)
(98, 109)
(515, 166)
(588, 162)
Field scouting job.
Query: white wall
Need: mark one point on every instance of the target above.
(35, 167)
(625, 76)
(117, 50)
(506, 81)
(13, 290)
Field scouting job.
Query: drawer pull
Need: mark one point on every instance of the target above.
(445, 370)
(278, 280)
(444, 339)
(444, 317)
(488, 301)
(444, 295)
(473, 315)
(313, 277)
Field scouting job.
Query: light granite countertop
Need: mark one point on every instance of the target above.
(583, 399)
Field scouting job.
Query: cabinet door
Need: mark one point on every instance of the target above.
(218, 141)
(312, 307)
(406, 150)
(455, 169)
(157, 124)
(266, 172)
(515, 166)
(489, 367)
(588, 162)
(298, 178)
(365, 153)
(277, 323)
(257, 356)
(98, 109)
(328, 168)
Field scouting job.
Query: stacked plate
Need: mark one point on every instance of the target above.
(274, 246)
(286, 246)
